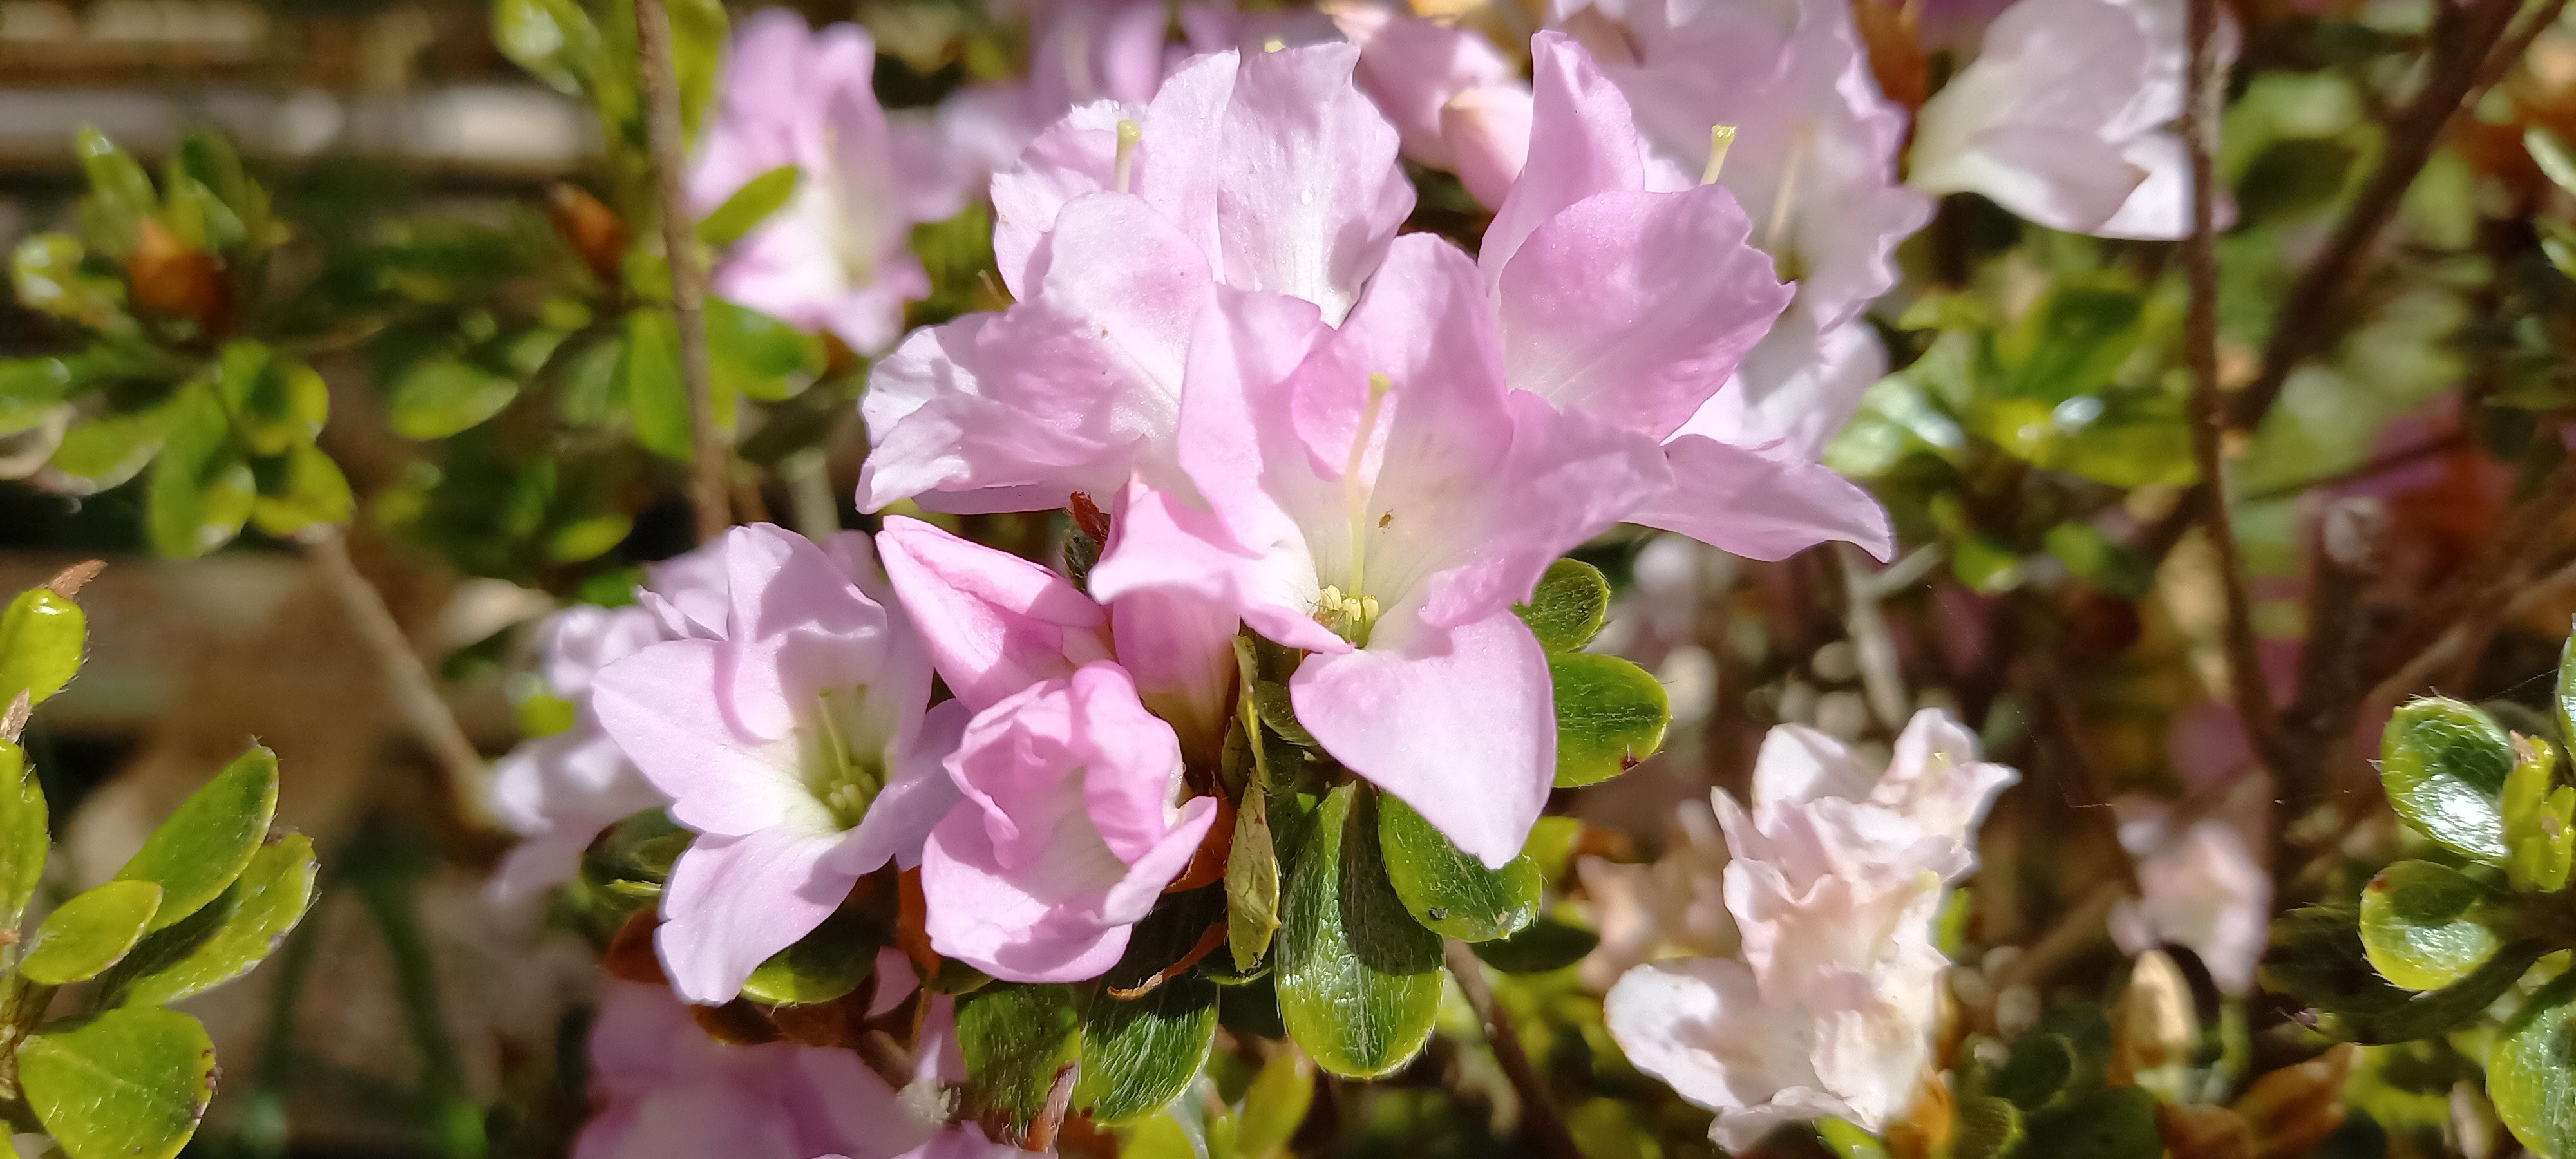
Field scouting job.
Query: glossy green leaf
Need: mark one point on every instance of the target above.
(210, 840)
(748, 207)
(1987, 1128)
(553, 39)
(2317, 956)
(202, 487)
(1845, 1139)
(1251, 882)
(441, 397)
(275, 401)
(1448, 891)
(2552, 157)
(1566, 610)
(2426, 926)
(2531, 1074)
(1016, 1038)
(40, 644)
(230, 935)
(23, 836)
(198, 218)
(2444, 764)
(31, 389)
(106, 451)
(120, 193)
(2102, 1123)
(753, 355)
(1610, 714)
(649, 368)
(1138, 1054)
(300, 489)
(1275, 1105)
(823, 965)
(1358, 978)
(89, 933)
(128, 1083)
(1546, 945)
(45, 271)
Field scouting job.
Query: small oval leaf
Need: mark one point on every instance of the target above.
(435, 399)
(2444, 764)
(1359, 979)
(40, 645)
(1015, 1039)
(129, 1083)
(1138, 1054)
(2425, 926)
(1548, 944)
(229, 936)
(1275, 1106)
(1567, 609)
(2531, 1074)
(23, 836)
(90, 933)
(207, 843)
(823, 965)
(747, 207)
(1448, 891)
(1610, 714)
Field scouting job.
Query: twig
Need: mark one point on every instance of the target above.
(1880, 677)
(1539, 1117)
(2073, 933)
(2200, 339)
(707, 475)
(2299, 330)
(415, 694)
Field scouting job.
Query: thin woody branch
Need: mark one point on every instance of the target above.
(709, 489)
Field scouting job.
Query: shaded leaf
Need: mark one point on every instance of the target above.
(2531, 1074)
(2317, 956)
(1566, 610)
(1138, 1054)
(1015, 1038)
(823, 965)
(442, 396)
(23, 836)
(225, 939)
(1448, 891)
(202, 488)
(748, 207)
(1610, 714)
(1275, 1105)
(301, 489)
(1546, 945)
(128, 1083)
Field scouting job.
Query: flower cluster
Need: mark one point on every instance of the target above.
(1837, 875)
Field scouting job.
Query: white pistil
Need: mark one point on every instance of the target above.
(1129, 132)
(1720, 139)
(1355, 497)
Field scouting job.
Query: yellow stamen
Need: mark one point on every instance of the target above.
(1355, 497)
(1720, 138)
(1129, 132)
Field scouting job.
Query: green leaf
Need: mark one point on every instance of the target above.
(300, 489)
(1275, 1105)
(1359, 979)
(697, 55)
(106, 451)
(210, 840)
(443, 396)
(2444, 764)
(202, 488)
(2552, 157)
(1016, 1039)
(23, 838)
(748, 207)
(1988, 1128)
(229, 936)
(1610, 714)
(655, 398)
(1452, 893)
(89, 933)
(1566, 610)
(1138, 1054)
(129, 1083)
(46, 272)
(1251, 881)
(1547, 945)
(2103, 1123)
(2563, 696)
(40, 644)
(823, 965)
(1848, 1140)
(275, 402)
(2317, 956)
(31, 389)
(120, 193)
(2426, 926)
(2040, 1068)
(553, 39)
(2531, 1074)
(753, 355)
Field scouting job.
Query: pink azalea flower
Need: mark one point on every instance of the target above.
(2061, 119)
(1382, 478)
(1456, 102)
(1081, 51)
(559, 792)
(1813, 163)
(793, 740)
(996, 623)
(2201, 884)
(1633, 297)
(1836, 874)
(1072, 824)
(838, 255)
(663, 1088)
(1265, 172)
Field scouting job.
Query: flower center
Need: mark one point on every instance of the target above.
(1348, 609)
(843, 776)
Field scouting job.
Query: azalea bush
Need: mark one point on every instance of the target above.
(1758, 577)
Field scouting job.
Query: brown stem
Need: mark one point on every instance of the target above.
(708, 470)
(415, 694)
(2200, 338)
(1539, 1117)
(2300, 329)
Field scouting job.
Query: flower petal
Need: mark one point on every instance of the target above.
(734, 901)
(1762, 502)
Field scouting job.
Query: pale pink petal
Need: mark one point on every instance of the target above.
(1477, 750)
(662, 707)
(995, 623)
(1310, 193)
(734, 901)
(1762, 502)
(1171, 169)
(1180, 648)
(1413, 67)
(1487, 132)
(1164, 545)
(1798, 764)
(1583, 141)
